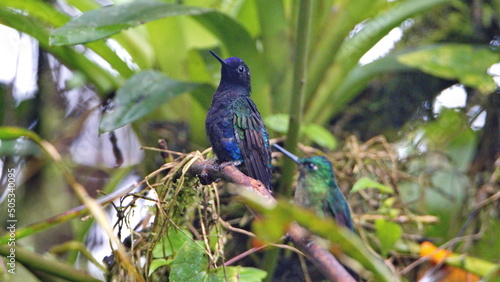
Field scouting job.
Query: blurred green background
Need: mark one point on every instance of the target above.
(140, 70)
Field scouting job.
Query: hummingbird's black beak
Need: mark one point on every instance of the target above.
(286, 153)
(218, 58)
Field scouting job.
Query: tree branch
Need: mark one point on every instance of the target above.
(329, 266)
(209, 171)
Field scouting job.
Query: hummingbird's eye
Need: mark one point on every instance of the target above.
(241, 69)
(312, 166)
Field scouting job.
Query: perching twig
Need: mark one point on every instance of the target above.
(323, 259)
(211, 171)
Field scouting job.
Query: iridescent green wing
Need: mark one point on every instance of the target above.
(253, 140)
(336, 205)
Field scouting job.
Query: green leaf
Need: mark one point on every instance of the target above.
(156, 263)
(101, 23)
(468, 64)
(190, 264)
(365, 183)
(171, 243)
(277, 122)
(140, 95)
(320, 136)
(388, 233)
(41, 10)
(239, 274)
(271, 233)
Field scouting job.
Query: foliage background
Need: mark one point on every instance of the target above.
(374, 120)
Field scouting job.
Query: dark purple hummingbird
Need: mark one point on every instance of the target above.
(235, 127)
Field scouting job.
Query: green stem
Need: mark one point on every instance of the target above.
(297, 104)
(298, 90)
(269, 262)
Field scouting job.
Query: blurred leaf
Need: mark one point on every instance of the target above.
(322, 104)
(388, 233)
(43, 11)
(44, 224)
(389, 202)
(277, 219)
(449, 127)
(173, 61)
(471, 264)
(377, 27)
(46, 265)
(101, 23)
(133, 41)
(333, 32)
(488, 270)
(140, 95)
(268, 232)
(198, 113)
(21, 147)
(365, 183)
(247, 14)
(197, 37)
(39, 29)
(466, 63)
(277, 122)
(489, 242)
(273, 32)
(9, 132)
(320, 136)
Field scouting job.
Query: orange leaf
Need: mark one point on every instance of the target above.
(429, 249)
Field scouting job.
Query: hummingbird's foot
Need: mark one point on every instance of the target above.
(287, 239)
(205, 178)
(224, 164)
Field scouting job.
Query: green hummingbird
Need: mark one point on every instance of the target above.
(318, 190)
